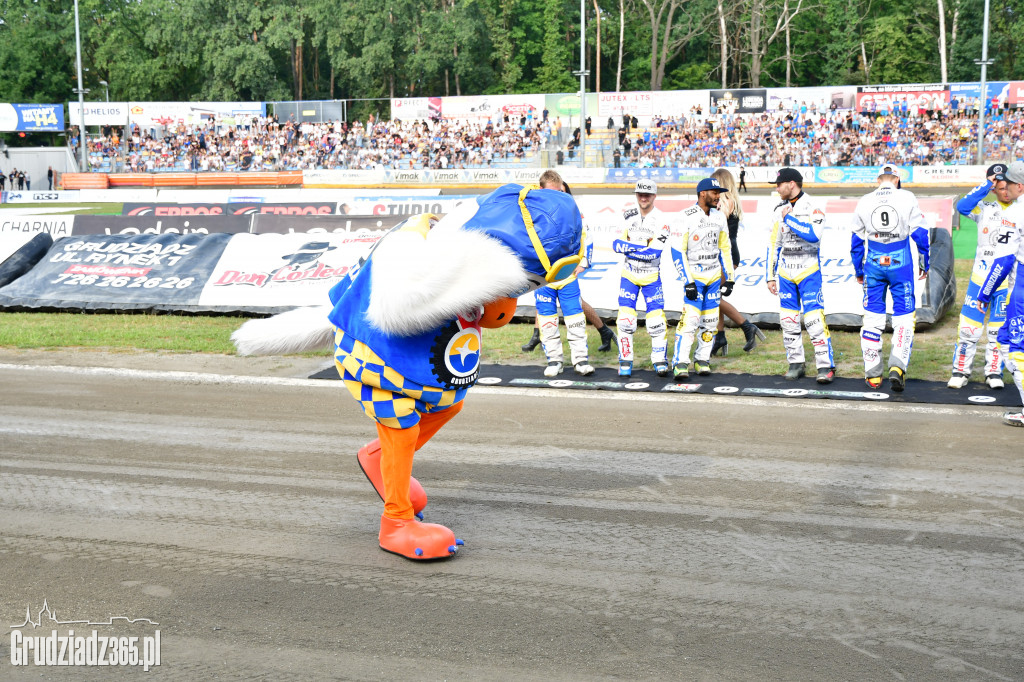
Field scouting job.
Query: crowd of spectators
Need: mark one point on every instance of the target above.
(267, 144)
(799, 136)
(822, 138)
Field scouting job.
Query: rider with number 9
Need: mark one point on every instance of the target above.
(884, 223)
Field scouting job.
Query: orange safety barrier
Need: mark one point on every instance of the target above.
(174, 180)
(84, 181)
(290, 177)
(244, 179)
(216, 179)
(131, 180)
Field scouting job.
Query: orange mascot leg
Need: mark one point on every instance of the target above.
(400, 532)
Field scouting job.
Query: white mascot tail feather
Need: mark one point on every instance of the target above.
(295, 331)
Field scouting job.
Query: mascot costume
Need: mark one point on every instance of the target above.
(406, 324)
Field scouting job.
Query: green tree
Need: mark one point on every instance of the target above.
(554, 73)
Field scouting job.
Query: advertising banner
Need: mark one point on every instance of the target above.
(149, 224)
(56, 225)
(149, 114)
(32, 118)
(404, 206)
(168, 209)
(416, 108)
(347, 225)
(99, 113)
(567, 107)
(867, 175)
(1015, 93)
(678, 103)
(970, 92)
(360, 178)
(119, 272)
(615, 104)
(44, 196)
(770, 173)
(626, 176)
(813, 99)
(883, 98)
(739, 101)
(493, 107)
(310, 208)
(272, 271)
(949, 175)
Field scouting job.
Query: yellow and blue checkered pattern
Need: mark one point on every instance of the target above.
(385, 395)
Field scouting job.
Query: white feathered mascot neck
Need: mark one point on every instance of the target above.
(420, 282)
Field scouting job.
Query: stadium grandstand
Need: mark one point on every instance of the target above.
(801, 136)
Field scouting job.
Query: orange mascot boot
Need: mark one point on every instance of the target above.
(400, 532)
(369, 462)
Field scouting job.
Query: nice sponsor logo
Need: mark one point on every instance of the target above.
(64, 646)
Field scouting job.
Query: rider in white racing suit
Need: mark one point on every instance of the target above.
(565, 294)
(993, 232)
(1009, 262)
(793, 257)
(705, 251)
(644, 236)
(885, 221)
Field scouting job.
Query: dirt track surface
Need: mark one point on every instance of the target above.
(672, 537)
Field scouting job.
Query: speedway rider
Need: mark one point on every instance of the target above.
(1010, 258)
(793, 257)
(992, 234)
(706, 251)
(884, 222)
(644, 236)
(564, 293)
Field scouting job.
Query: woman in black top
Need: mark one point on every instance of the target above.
(729, 203)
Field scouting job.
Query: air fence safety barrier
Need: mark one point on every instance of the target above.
(263, 254)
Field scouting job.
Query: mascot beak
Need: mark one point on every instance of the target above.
(498, 313)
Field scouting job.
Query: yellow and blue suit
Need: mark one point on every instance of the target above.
(1009, 262)
(642, 242)
(565, 295)
(793, 260)
(993, 233)
(705, 253)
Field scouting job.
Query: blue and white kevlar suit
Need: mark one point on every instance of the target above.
(993, 235)
(1009, 262)
(705, 252)
(884, 222)
(564, 294)
(642, 242)
(793, 260)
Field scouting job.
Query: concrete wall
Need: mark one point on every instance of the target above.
(34, 161)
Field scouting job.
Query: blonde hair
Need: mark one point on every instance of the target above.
(726, 180)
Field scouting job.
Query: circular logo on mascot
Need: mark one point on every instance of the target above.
(455, 359)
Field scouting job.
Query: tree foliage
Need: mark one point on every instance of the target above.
(359, 49)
